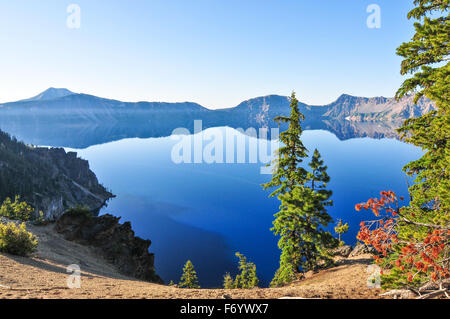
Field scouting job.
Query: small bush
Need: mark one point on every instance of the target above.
(16, 210)
(40, 219)
(16, 240)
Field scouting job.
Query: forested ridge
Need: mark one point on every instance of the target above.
(49, 179)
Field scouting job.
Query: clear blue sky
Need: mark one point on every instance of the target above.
(216, 53)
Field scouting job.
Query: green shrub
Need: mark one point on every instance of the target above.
(40, 219)
(16, 210)
(16, 240)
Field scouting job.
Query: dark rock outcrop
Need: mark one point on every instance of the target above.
(116, 242)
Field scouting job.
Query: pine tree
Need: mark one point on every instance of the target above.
(425, 58)
(253, 280)
(414, 243)
(237, 282)
(318, 176)
(304, 197)
(228, 282)
(286, 272)
(247, 278)
(189, 278)
(288, 171)
(340, 229)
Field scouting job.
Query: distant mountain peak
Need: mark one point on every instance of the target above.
(346, 97)
(50, 94)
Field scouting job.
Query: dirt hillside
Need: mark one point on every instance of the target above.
(44, 275)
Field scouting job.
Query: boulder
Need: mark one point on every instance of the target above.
(399, 294)
(361, 249)
(343, 251)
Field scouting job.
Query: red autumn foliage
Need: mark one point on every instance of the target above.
(417, 256)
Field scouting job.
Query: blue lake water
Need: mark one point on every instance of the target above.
(207, 212)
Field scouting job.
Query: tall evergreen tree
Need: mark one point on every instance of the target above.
(414, 243)
(304, 197)
(425, 58)
(288, 171)
(189, 278)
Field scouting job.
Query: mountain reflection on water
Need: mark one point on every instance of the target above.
(82, 135)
